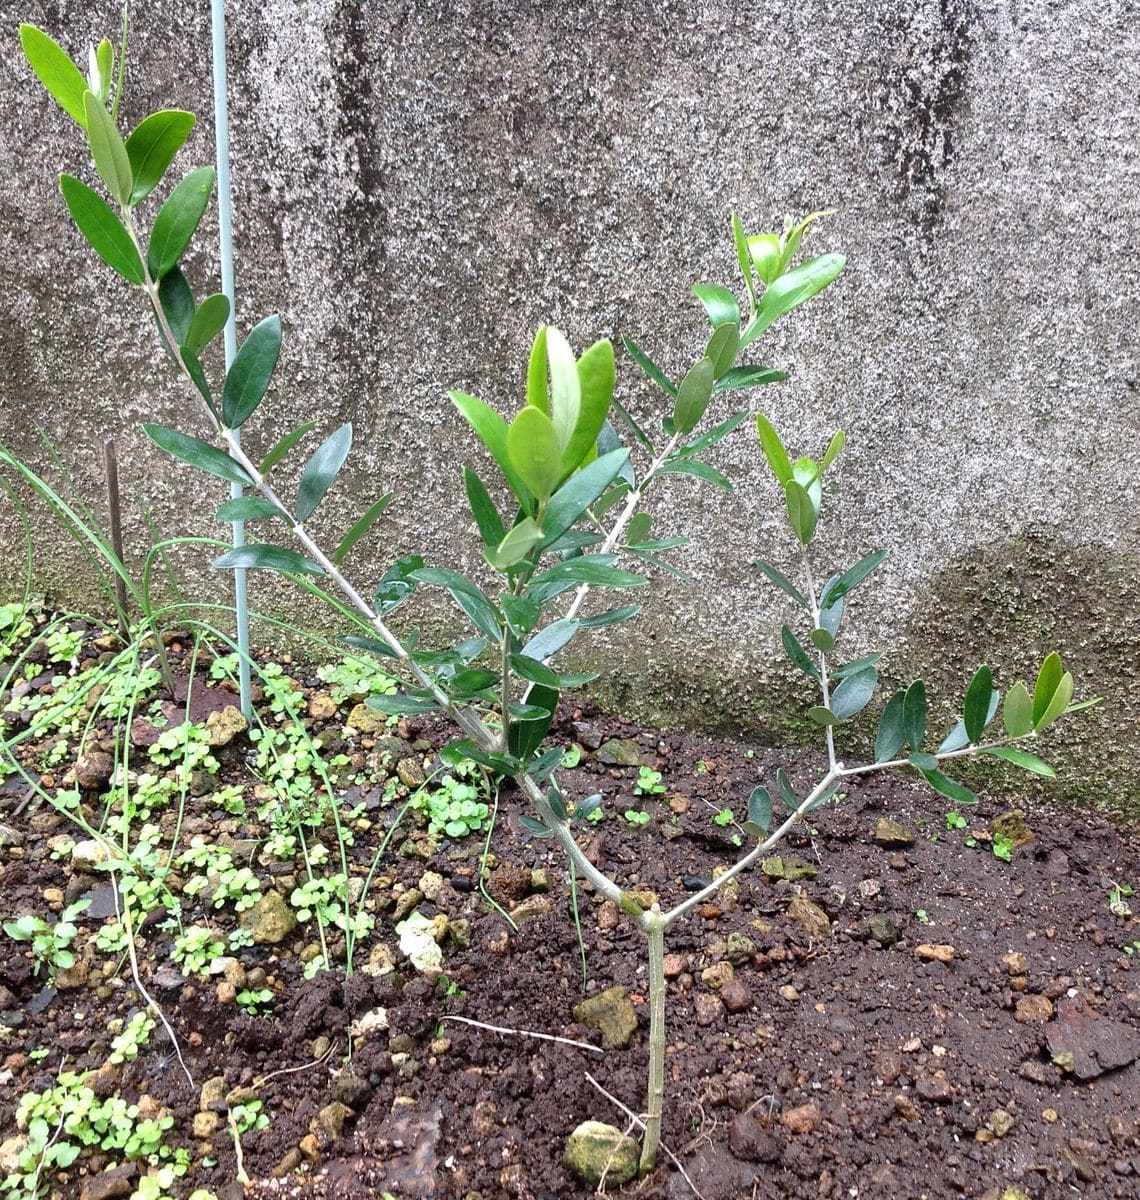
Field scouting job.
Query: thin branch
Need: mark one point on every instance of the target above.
(546, 1037)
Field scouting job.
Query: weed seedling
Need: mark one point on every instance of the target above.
(648, 783)
(725, 817)
(955, 820)
(1002, 847)
(1118, 896)
(636, 818)
(51, 944)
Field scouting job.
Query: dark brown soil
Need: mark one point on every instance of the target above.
(831, 1066)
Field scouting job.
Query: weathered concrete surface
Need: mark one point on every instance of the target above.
(419, 186)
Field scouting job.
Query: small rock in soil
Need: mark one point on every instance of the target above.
(805, 1118)
(612, 1014)
(595, 1150)
(934, 1089)
(673, 965)
(1032, 1010)
(791, 869)
(1086, 1044)
(1015, 963)
(93, 771)
(1033, 1071)
(810, 916)
(89, 855)
(695, 883)
(619, 752)
(749, 1141)
(882, 928)
(330, 1120)
(936, 952)
(906, 1108)
(225, 725)
(205, 1125)
(367, 720)
(213, 1095)
(1000, 1122)
(270, 921)
(1012, 825)
(717, 975)
(891, 834)
(119, 1181)
(709, 1008)
(531, 907)
(736, 996)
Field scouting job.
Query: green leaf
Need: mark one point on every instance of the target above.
(1019, 758)
(565, 391)
(321, 470)
(1048, 680)
(631, 425)
(517, 543)
(361, 527)
(469, 683)
(595, 391)
(283, 446)
(470, 599)
(760, 808)
(198, 454)
(1017, 715)
(525, 737)
(579, 492)
(717, 434)
(914, 714)
(858, 664)
(721, 348)
(103, 230)
(655, 373)
(784, 787)
(764, 250)
(822, 640)
(455, 753)
(1057, 705)
(594, 569)
(534, 826)
(587, 806)
(535, 452)
(744, 257)
(851, 578)
(698, 470)
(891, 734)
(487, 518)
(613, 616)
(822, 716)
(774, 450)
(749, 376)
(269, 558)
(491, 430)
(921, 761)
(177, 302)
(719, 304)
(522, 615)
(791, 290)
(537, 390)
(198, 378)
(152, 146)
(547, 642)
(107, 150)
(797, 653)
(853, 693)
(60, 76)
(782, 582)
(536, 672)
(950, 788)
(177, 220)
(801, 511)
(372, 645)
(248, 377)
(248, 508)
(956, 739)
(793, 236)
(693, 396)
(103, 65)
(831, 615)
(208, 321)
(834, 449)
(403, 706)
(397, 583)
(976, 707)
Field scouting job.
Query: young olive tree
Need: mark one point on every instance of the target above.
(574, 508)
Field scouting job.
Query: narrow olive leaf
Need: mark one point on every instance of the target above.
(547, 642)
(801, 511)
(283, 446)
(760, 808)
(198, 454)
(522, 615)
(397, 583)
(1019, 758)
(956, 739)
(717, 434)
(765, 251)
(467, 595)
(103, 64)
(797, 653)
(587, 806)
(976, 707)
(151, 148)
(822, 640)
(834, 449)
(791, 290)
(177, 220)
(542, 768)
(782, 582)
(721, 348)
(1048, 679)
(596, 377)
(698, 470)
(537, 388)
(103, 230)
(177, 301)
(579, 492)
(921, 761)
(269, 558)
(60, 76)
(753, 376)
(858, 664)
(1057, 705)
(613, 616)
(487, 518)
(248, 508)
(457, 752)
(565, 390)
(1017, 714)
(650, 367)
(638, 529)
(359, 528)
(525, 737)
(914, 715)
(744, 257)
(209, 319)
(533, 670)
(831, 615)
(491, 430)
(534, 826)
(891, 735)
(822, 716)
(950, 788)
(535, 452)
(554, 798)
(321, 470)
(372, 645)
(516, 544)
(403, 706)
(1091, 703)
(594, 569)
(248, 377)
(693, 396)
(784, 787)
(774, 450)
(469, 683)
(107, 150)
(851, 578)
(198, 377)
(853, 693)
(631, 425)
(718, 302)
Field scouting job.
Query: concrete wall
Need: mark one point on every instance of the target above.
(418, 186)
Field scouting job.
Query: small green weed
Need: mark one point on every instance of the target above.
(724, 817)
(636, 818)
(648, 782)
(955, 820)
(51, 944)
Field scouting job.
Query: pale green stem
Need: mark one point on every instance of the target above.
(824, 686)
(654, 926)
